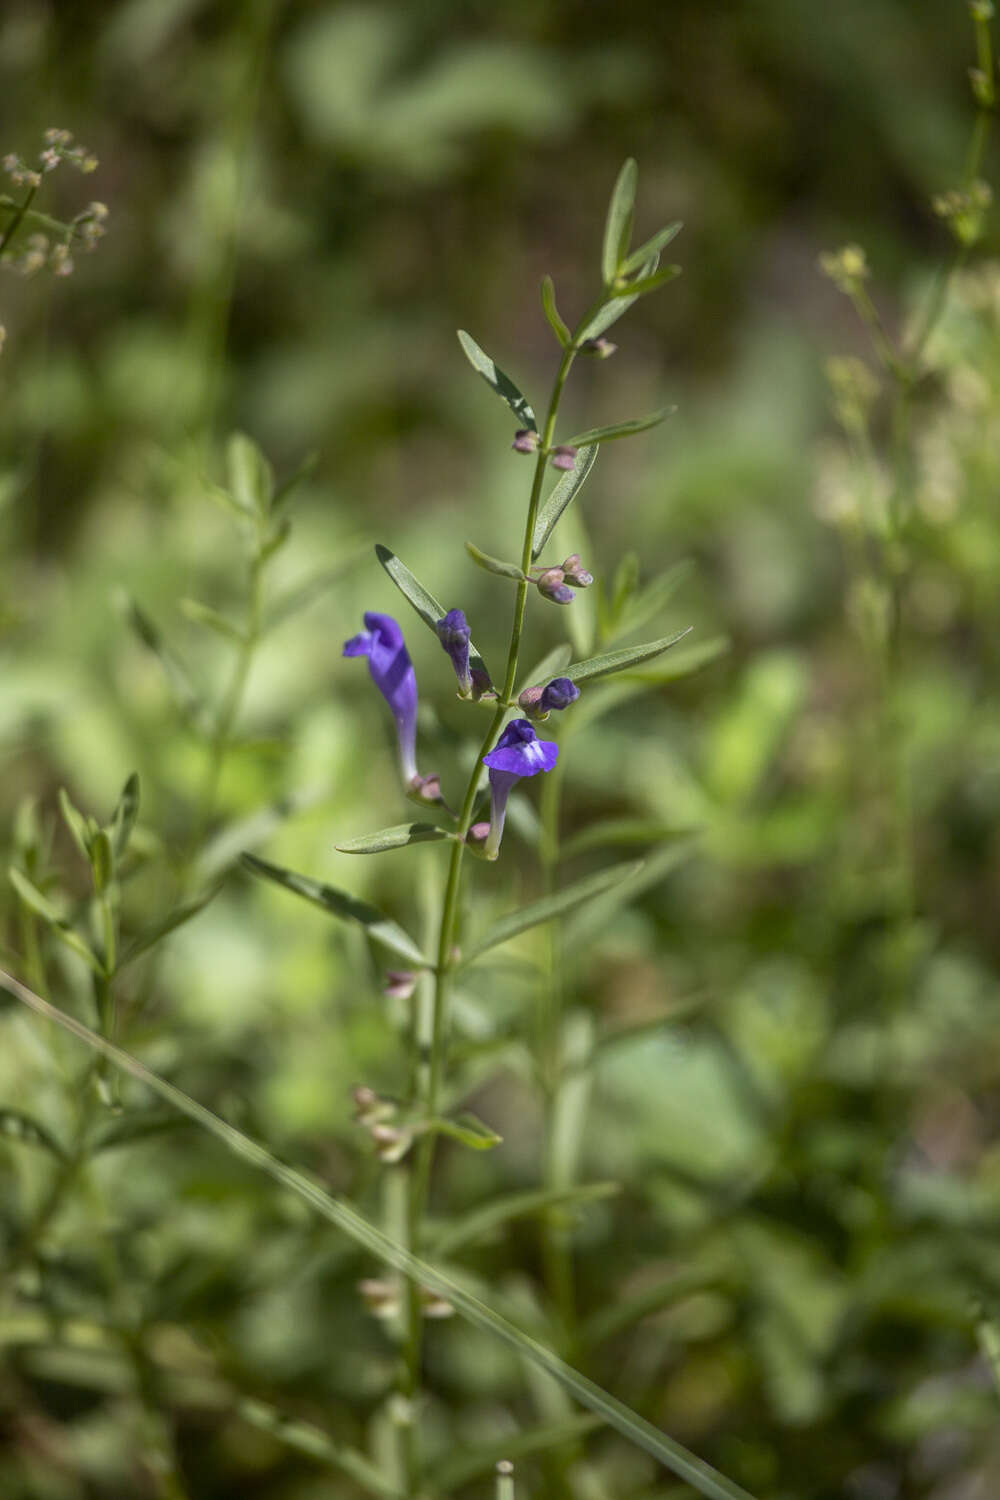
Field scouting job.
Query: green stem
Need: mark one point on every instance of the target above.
(20, 210)
(231, 703)
(420, 1172)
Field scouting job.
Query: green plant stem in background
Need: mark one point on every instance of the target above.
(232, 702)
(419, 1180)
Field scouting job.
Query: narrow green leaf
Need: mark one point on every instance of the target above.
(561, 497)
(186, 698)
(124, 816)
(614, 308)
(159, 930)
(305, 1437)
(683, 663)
(424, 602)
(339, 904)
(101, 860)
(15, 1125)
(621, 660)
(395, 838)
(551, 665)
(549, 907)
(458, 1468)
(75, 822)
(653, 246)
(618, 225)
(251, 481)
(482, 1221)
(497, 380)
(466, 1129)
(493, 564)
(648, 603)
(584, 926)
(42, 907)
(204, 614)
(621, 429)
(636, 1429)
(551, 312)
(644, 284)
(230, 842)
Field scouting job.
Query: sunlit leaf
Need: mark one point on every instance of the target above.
(363, 1233)
(551, 312)
(251, 481)
(548, 908)
(497, 380)
(124, 816)
(615, 307)
(394, 838)
(379, 927)
(618, 225)
(644, 284)
(493, 564)
(622, 659)
(621, 429)
(561, 496)
(424, 602)
(466, 1129)
(653, 246)
(75, 822)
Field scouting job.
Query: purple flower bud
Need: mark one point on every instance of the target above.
(575, 573)
(559, 694)
(531, 701)
(525, 440)
(426, 789)
(392, 673)
(551, 585)
(563, 457)
(603, 348)
(399, 984)
(518, 753)
(453, 633)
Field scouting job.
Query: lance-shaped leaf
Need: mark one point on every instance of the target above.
(618, 225)
(395, 838)
(379, 927)
(657, 242)
(484, 1220)
(643, 284)
(615, 307)
(124, 816)
(494, 564)
(644, 606)
(251, 482)
(15, 1125)
(621, 429)
(204, 614)
(621, 660)
(75, 822)
(367, 1236)
(561, 496)
(551, 312)
(40, 904)
(467, 1129)
(549, 907)
(157, 931)
(497, 380)
(424, 602)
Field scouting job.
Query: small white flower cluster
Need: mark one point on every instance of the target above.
(59, 147)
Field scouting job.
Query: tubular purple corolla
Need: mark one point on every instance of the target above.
(518, 753)
(392, 673)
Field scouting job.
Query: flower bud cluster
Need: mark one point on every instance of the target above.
(526, 439)
(557, 584)
(391, 1141)
(383, 1299)
(846, 268)
(539, 701)
(58, 148)
(964, 209)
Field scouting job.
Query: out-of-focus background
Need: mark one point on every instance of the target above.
(305, 201)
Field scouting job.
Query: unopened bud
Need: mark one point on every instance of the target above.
(425, 789)
(434, 1306)
(477, 836)
(601, 348)
(381, 1298)
(399, 984)
(563, 457)
(552, 585)
(525, 440)
(575, 573)
(559, 694)
(391, 1143)
(531, 702)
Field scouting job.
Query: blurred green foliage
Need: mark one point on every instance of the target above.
(305, 201)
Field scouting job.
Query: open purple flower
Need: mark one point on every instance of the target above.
(517, 753)
(392, 673)
(453, 633)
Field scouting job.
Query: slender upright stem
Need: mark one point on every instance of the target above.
(420, 1171)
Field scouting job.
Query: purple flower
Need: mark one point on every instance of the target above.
(525, 440)
(558, 694)
(575, 573)
(552, 585)
(518, 753)
(563, 457)
(392, 673)
(453, 633)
